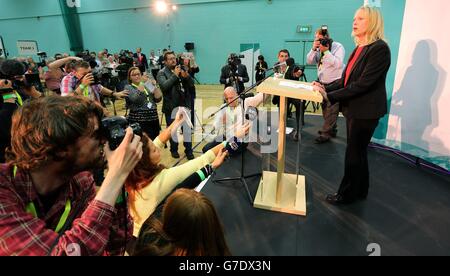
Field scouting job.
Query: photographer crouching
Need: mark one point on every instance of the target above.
(234, 73)
(81, 82)
(48, 201)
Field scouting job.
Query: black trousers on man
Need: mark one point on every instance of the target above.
(187, 136)
(355, 183)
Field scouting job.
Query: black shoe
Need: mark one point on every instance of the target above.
(175, 155)
(362, 196)
(321, 140)
(190, 156)
(337, 199)
(334, 133)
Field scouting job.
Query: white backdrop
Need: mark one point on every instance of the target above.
(419, 121)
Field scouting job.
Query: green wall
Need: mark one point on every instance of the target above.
(216, 27)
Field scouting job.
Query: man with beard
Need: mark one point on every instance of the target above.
(48, 201)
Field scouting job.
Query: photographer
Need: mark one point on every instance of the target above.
(14, 90)
(328, 55)
(57, 70)
(175, 84)
(81, 82)
(46, 185)
(260, 69)
(10, 100)
(234, 74)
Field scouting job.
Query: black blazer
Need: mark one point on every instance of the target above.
(241, 72)
(364, 97)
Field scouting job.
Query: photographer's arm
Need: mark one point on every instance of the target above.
(118, 95)
(336, 59)
(61, 62)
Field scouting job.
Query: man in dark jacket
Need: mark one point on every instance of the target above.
(141, 60)
(234, 74)
(175, 85)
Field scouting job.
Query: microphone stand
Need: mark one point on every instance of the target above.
(242, 177)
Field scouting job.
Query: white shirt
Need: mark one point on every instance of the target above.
(332, 63)
(234, 116)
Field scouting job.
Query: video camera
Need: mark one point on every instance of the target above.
(234, 59)
(13, 72)
(114, 130)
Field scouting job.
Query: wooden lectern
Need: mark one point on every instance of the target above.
(279, 191)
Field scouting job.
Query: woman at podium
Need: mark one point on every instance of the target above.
(362, 94)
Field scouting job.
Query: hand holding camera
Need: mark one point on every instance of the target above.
(88, 79)
(316, 45)
(177, 70)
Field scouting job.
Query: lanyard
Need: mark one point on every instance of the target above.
(14, 96)
(86, 91)
(31, 209)
(137, 87)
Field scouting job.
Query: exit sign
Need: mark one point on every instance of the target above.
(304, 29)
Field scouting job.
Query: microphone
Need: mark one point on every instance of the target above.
(252, 113)
(290, 62)
(277, 65)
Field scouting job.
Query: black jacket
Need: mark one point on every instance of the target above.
(364, 97)
(6, 113)
(144, 64)
(241, 72)
(171, 87)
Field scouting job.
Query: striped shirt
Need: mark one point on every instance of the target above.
(70, 83)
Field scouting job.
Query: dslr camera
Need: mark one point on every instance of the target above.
(326, 41)
(114, 130)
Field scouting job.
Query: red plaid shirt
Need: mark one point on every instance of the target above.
(99, 229)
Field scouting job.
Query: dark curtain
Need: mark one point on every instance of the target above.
(73, 27)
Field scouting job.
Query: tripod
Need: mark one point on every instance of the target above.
(242, 178)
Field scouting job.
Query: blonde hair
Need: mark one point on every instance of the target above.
(375, 24)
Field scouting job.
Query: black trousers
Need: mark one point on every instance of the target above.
(187, 136)
(356, 176)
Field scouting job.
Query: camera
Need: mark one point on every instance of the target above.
(324, 30)
(13, 71)
(42, 57)
(326, 42)
(114, 130)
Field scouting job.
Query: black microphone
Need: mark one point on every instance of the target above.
(290, 62)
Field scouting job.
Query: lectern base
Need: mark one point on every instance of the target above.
(293, 197)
